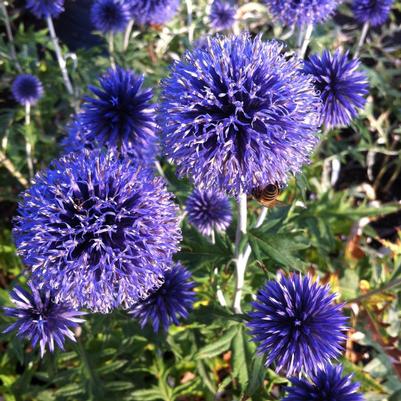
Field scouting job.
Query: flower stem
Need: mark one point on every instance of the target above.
(10, 36)
(306, 40)
(111, 49)
(362, 39)
(240, 259)
(127, 34)
(8, 164)
(364, 297)
(28, 144)
(60, 58)
(189, 20)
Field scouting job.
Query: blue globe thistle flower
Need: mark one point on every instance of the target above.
(171, 302)
(376, 12)
(222, 14)
(75, 140)
(27, 89)
(110, 15)
(155, 12)
(98, 229)
(45, 8)
(328, 384)
(40, 319)
(302, 12)
(297, 325)
(121, 115)
(237, 114)
(341, 84)
(208, 211)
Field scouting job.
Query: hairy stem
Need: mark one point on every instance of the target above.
(364, 297)
(8, 164)
(189, 20)
(362, 39)
(28, 143)
(10, 36)
(127, 34)
(240, 261)
(111, 49)
(60, 58)
(306, 41)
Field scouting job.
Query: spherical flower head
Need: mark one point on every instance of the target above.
(40, 319)
(110, 15)
(376, 12)
(154, 12)
(121, 115)
(328, 384)
(222, 14)
(170, 303)
(237, 114)
(208, 211)
(341, 84)
(27, 89)
(297, 325)
(76, 138)
(302, 12)
(98, 229)
(45, 8)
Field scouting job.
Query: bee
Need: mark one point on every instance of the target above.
(268, 195)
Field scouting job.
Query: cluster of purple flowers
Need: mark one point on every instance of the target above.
(98, 230)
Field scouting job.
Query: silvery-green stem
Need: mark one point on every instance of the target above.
(127, 34)
(189, 20)
(219, 293)
(10, 36)
(240, 261)
(111, 49)
(8, 164)
(60, 58)
(306, 40)
(28, 145)
(362, 39)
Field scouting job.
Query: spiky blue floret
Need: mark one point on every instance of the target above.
(208, 211)
(157, 12)
(302, 12)
(45, 8)
(297, 325)
(110, 15)
(121, 115)
(170, 303)
(328, 384)
(237, 114)
(40, 319)
(376, 12)
(341, 84)
(27, 89)
(222, 14)
(98, 229)
(75, 140)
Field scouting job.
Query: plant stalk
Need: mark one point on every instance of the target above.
(28, 144)
(306, 40)
(111, 49)
(127, 34)
(362, 39)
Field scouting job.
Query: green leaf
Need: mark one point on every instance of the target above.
(242, 356)
(147, 395)
(70, 390)
(257, 375)
(218, 347)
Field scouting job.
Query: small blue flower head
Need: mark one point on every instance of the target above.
(40, 319)
(154, 12)
(75, 139)
(121, 115)
(222, 14)
(98, 229)
(110, 15)
(376, 12)
(302, 12)
(208, 211)
(27, 89)
(328, 384)
(341, 84)
(237, 114)
(45, 8)
(297, 325)
(171, 302)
